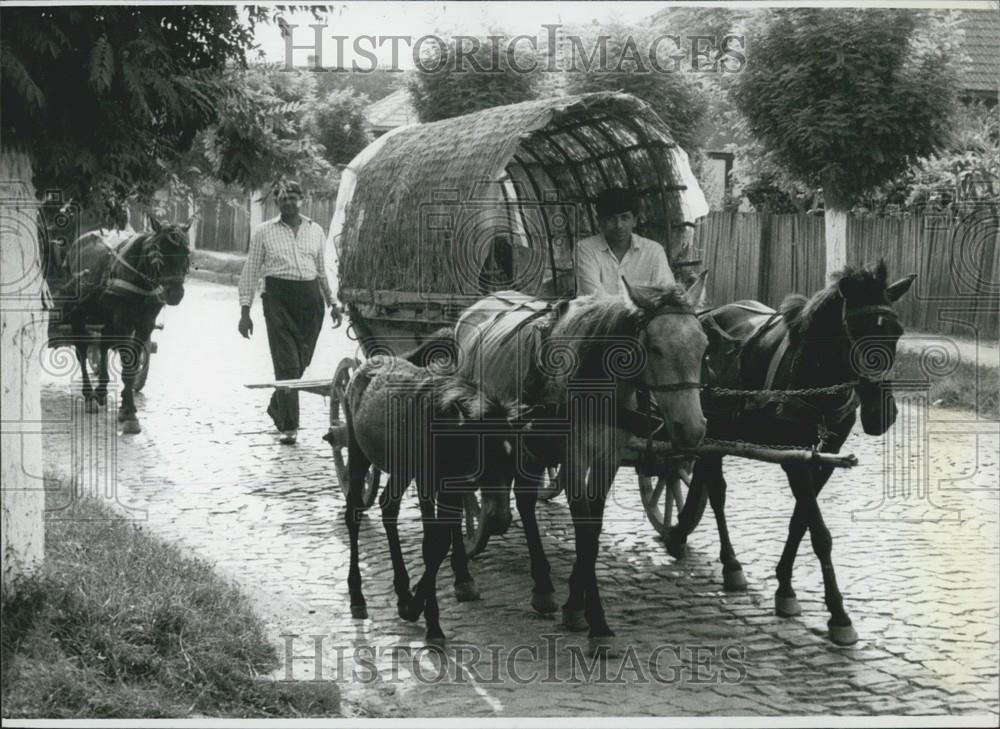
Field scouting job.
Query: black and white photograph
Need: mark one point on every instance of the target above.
(415, 363)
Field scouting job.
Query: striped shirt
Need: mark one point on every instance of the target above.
(278, 251)
(598, 268)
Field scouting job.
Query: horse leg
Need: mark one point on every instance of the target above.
(802, 480)
(130, 367)
(103, 377)
(466, 589)
(543, 598)
(733, 579)
(602, 476)
(786, 604)
(449, 518)
(88, 391)
(357, 465)
(573, 609)
(428, 519)
(389, 502)
(689, 516)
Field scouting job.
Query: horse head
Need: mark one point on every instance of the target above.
(166, 256)
(486, 427)
(872, 329)
(673, 343)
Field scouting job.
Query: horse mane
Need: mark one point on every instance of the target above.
(453, 396)
(589, 325)
(802, 314)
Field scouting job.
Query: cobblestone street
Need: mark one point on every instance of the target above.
(915, 530)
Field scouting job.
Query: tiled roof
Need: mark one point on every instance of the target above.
(981, 72)
(394, 110)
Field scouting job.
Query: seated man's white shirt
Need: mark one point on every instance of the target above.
(598, 269)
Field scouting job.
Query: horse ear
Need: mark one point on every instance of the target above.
(895, 291)
(154, 224)
(696, 291)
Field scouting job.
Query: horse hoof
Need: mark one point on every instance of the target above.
(466, 591)
(575, 620)
(91, 406)
(843, 634)
(411, 613)
(131, 427)
(676, 548)
(602, 646)
(786, 607)
(436, 643)
(359, 612)
(544, 602)
(734, 581)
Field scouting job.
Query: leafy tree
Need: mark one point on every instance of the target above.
(264, 134)
(679, 101)
(459, 78)
(97, 102)
(847, 99)
(339, 121)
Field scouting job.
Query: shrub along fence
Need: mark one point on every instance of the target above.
(765, 257)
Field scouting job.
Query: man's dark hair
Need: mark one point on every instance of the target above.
(283, 187)
(617, 200)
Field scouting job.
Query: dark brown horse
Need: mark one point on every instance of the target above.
(121, 286)
(842, 342)
(441, 431)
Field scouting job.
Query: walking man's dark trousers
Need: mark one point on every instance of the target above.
(293, 314)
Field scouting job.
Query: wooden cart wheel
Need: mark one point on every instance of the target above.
(552, 485)
(474, 532)
(338, 393)
(659, 499)
(143, 373)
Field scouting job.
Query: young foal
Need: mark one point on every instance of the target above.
(441, 431)
(844, 334)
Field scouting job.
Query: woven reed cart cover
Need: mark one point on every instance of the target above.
(420, 209)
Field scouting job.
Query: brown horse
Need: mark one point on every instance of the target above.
(441, 431)
(121, 287)
(576, 365)
(842, 340)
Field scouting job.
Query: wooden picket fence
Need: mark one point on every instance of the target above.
(223, 224)
(765, 257)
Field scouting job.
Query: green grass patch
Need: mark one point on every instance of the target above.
(121, 624)
(971, 386)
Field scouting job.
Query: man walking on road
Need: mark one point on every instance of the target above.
(288, 252)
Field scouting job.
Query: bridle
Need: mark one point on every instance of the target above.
(671, 386)
(152, 284)
(646, 390)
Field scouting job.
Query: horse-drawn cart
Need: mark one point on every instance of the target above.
(431, 218)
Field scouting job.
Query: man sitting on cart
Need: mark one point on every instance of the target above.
(603, 259)
(288, 252)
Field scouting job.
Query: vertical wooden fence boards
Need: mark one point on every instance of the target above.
(765, 257)
(224, 223)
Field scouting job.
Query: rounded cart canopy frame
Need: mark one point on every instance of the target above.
(425, 203)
